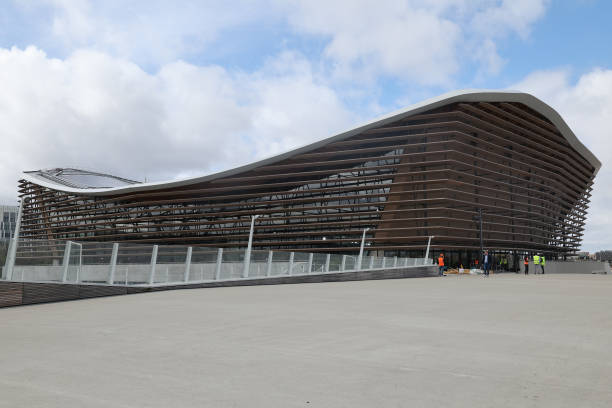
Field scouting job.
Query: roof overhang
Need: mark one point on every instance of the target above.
(472, 95)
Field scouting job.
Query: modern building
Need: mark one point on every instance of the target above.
(8, 221)
(429, 170)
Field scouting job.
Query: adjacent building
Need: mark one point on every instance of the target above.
(429, 170)
(8, 221)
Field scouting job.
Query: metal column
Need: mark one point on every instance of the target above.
(153, 263)
(188, 263)
(113, 264)
(12, 251)
(269, 269)
(291, 263)
(66, 260)
(219, 261)
(310, 263)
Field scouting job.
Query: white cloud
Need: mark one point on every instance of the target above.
(424, 41)
(427, 42)
(99, 112)
(586, 105)
(151, 32)
(509, 16)
(386, 37)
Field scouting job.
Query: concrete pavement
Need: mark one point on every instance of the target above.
(459, 341)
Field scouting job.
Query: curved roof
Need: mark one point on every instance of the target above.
(472, 95)
(81, 179)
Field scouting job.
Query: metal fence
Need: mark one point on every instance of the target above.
(150, 265)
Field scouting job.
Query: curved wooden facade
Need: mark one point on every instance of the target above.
(420, 173)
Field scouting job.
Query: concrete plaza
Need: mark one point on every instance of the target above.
(459, 341)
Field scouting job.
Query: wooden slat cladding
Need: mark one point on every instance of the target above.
(11, 293)
(424, 175)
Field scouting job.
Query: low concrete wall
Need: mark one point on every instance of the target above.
(570, 267)
(23, 293)
(400, 273)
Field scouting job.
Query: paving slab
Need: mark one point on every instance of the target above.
(458, 341)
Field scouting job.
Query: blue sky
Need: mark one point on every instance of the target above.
(202, 86)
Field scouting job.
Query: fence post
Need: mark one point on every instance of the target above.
(113, 264)
(371, 262)
(384, 262)
(291, 263)
(269, 270)
(415, 261)
(327, 260)
(219, 261)
(66, 260)
(395, 261)
(188, 263)
(153, 263)
(310, 263)
(343, 264)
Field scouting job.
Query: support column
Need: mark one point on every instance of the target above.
(219, 261)
(269, 269)
(371, 266)
(66, 260)
(188, 263)
(153, 263)
(327, 260)
(427, 251)
(12, 251)
(343, 264)
(113, 264)
(360, 258)
(247, 254)
(310, 263)
(291, 263)
(395, 261)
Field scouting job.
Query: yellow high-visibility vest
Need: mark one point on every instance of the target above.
(543, 261)
(536, 259)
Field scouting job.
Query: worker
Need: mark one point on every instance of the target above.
(536, 263)
(526, 262)
(486, 261)
(503, 263)
(441, 265)
(542, 263)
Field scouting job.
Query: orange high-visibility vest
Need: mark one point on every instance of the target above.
(441, 261)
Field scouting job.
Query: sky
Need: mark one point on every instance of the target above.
(158, 90)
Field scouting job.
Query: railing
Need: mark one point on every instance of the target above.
(150, 265)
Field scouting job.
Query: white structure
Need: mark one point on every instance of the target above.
(8, 220)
